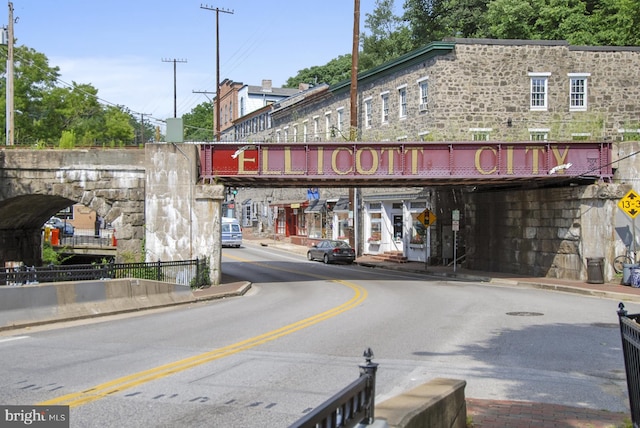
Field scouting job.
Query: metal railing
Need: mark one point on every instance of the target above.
(350, 407)
(630, 332)
(193, 273)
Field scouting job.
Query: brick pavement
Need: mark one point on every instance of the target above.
(520, 414)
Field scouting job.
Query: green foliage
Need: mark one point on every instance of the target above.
(118, 128)
(44, 110)
(67, 140)
(388, 40)
(336, 70)
(580, 22)
(49, 255)
(198, 124)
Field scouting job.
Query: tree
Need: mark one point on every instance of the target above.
(198, 124)
(509, 19)
(433, 20)
(388, 38)
(45, 110)
(616, 22)
(33, 78)
(336, 70)
(119, 131)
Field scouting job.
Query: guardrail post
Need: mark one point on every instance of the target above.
(369, 369)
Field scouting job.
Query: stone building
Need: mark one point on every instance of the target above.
(461, 90)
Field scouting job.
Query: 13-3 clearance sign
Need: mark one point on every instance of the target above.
(419, 159)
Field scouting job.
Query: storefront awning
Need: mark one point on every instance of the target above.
(290, 204)
(342, 205)
(317, 206)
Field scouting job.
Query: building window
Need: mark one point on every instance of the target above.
(424, 93)
(340, 113)
(286, 134)
(367, 113)
(538, 134)
(327, 126)
(375, 228)
(402, 99)
(295, 133)
(581, 136)
(629, 134)
(278, 136)
(316, 136)
(480, 134)
(578, 91)
(384, 98)
(539, 84)
(305, 131)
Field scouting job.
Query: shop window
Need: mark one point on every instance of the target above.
(418, 230)
(375, 230)
(316, 225)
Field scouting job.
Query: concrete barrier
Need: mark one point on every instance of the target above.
(35, 304)
(435, 404)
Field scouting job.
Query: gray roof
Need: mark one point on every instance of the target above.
(276, 92)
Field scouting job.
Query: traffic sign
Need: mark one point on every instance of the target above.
(630, 204)
(427, 218)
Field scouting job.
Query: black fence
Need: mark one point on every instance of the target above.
(630, 332)
(193, 273)
(352, 406)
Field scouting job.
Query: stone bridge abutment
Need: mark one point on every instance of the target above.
(36, 184)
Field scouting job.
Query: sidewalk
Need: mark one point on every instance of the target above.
(485, 413)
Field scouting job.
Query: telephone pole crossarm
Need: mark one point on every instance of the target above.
(217, 109)
(174, 61)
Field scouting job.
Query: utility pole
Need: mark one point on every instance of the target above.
(217, 109)
(175, 112)
(10, 112)
(353, 128)
(142, 127)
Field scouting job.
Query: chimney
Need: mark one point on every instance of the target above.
(303, 86)
(266, 85)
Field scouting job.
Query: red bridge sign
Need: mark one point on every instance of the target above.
(420, 163)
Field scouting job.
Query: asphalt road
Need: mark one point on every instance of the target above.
(264, 359)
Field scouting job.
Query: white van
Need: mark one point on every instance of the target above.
(231, 232)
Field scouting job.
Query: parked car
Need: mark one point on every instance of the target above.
(330, 251)
(66, 229)
(231, 232)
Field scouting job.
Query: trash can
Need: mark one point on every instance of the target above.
(634, 277)
(595, 270)
(626, 272)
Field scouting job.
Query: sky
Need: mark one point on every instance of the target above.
(126, 48)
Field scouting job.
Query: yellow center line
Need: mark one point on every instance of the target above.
(126, 382)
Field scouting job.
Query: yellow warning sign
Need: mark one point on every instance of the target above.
(427, 218)
(630, 204)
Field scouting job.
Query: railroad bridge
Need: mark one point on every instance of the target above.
(165, 200)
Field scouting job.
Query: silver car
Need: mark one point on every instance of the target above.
(330, 251)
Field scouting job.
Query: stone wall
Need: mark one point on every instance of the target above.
(36, 184)
(182, 217)
(481, 84)
(543, 232)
